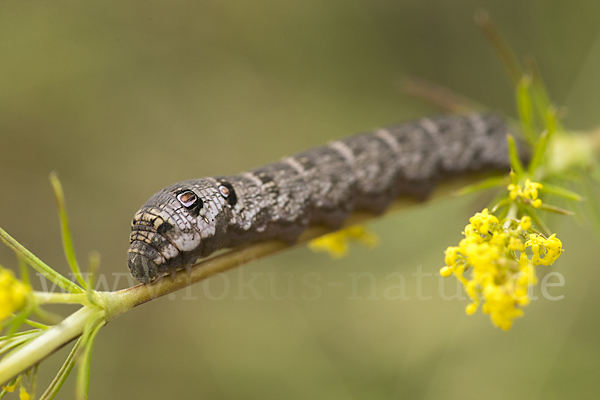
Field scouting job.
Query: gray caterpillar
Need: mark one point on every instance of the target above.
(192, 219)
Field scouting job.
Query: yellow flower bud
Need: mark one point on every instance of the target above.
(451, 255)
(13, 293)
(23, 395)
(525, 222)
(471, 308)
(9, 388)
(337, 243)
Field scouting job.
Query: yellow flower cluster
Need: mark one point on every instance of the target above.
(336, 243)
(528, 193)
(492, 264)
(12, 293)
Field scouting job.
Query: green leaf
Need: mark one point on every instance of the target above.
(554, 209)
(561, 191)
(485, 184)
(63, 373)
(18, 320)
(525, 110)
(513, 153)
(64, 227)
(15, 335)
(33, 379)
(83, 375)
(38, 264)
(504, 202)
(538, 154)
(36, 325)
(540, 98)
(94, 265)
(10, 383)
(12, 344)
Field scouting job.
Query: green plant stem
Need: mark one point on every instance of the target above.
(64, 228)
(62, 298)
(38, 264)
(47, 343)
(114, 304)
(63, 373)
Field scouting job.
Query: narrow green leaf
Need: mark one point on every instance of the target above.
(94, 264)
(35, 324)
(38, 264)
(504, 212)
(10, 383)
(551, 121)
(63, 373)
(20, 318)
(34, 376)
(561, 191)
(485, 184)
(83, 375)
(554, 209)
(538, 154)
(15, 335)
(540, 98)
(64, 227)
(440, 96)
(525, 110)
(505, 201)
(20, 340)
(513, 153)
(537, 83)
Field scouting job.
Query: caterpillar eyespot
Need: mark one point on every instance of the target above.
(318, 186)
(224, 191)
(187, 198)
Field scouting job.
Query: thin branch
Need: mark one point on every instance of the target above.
(438, 95)
(46, 344)
(113, 304)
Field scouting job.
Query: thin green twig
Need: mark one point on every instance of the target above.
(38, 264)
(64, 229)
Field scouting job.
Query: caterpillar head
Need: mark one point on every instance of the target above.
(178, 225)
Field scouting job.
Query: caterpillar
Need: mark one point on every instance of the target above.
(191, 219)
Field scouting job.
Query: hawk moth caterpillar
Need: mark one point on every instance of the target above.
(191, 219)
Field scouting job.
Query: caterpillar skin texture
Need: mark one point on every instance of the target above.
(192, 219)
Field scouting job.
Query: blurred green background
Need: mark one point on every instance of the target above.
(123, 98)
